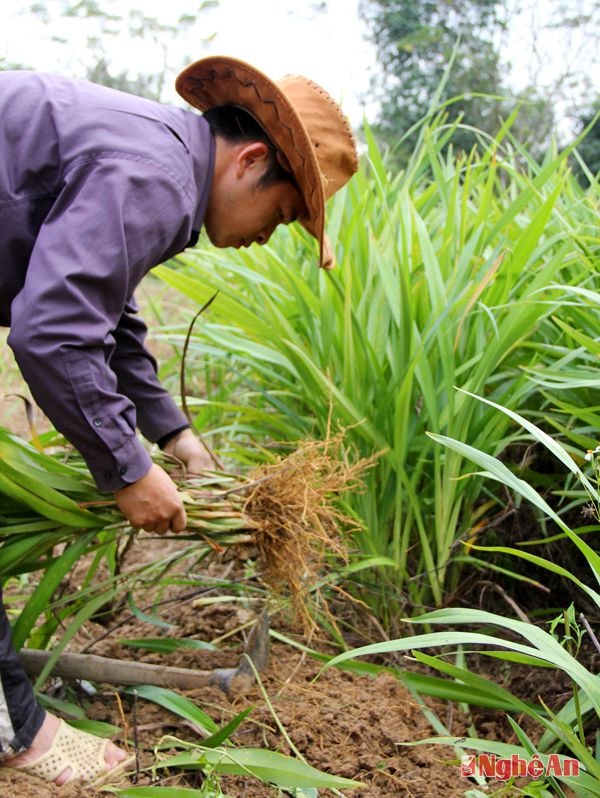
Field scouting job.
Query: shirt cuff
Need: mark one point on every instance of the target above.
(160, 418)
(129, 463)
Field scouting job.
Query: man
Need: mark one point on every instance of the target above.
(96, 188)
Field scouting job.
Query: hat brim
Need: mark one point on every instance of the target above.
(220, 80)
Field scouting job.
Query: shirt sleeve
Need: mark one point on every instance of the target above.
(114, 218)
(136, 371)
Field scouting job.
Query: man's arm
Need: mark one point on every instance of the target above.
(112, 221)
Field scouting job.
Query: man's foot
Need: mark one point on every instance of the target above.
(43, 742)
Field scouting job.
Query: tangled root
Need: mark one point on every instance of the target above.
(296, 523)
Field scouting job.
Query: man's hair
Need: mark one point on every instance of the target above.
(235, 125)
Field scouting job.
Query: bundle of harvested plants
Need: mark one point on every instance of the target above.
(286, 509)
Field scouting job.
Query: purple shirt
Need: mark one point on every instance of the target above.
(96, 188)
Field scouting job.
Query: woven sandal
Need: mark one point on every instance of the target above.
(82, 753)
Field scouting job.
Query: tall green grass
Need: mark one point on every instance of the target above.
(572, 729)
(447, 277)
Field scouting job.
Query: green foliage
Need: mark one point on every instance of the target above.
(269, 766)
(6, 65)
(500, 472)
(478, 272)
(166, 645)
(566, 730)
(441, 283)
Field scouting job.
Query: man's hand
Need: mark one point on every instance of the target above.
(152, 503)
(192, 453)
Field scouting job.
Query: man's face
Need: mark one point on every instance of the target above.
(239, 211)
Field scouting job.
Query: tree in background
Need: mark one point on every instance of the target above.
(415, 41)
(554, 44)
(563, 62)
(100, 31)
(558, 44)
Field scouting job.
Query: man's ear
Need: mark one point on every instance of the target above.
(251, 156)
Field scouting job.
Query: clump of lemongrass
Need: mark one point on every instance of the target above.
(287, 508)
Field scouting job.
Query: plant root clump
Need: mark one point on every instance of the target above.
(297, 524)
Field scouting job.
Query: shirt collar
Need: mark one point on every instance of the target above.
(202, 145)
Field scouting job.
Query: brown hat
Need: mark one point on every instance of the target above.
(305, 124)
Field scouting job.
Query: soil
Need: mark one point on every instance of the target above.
(343, 723)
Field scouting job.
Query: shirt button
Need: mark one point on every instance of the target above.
(97, 422)
(123, 470)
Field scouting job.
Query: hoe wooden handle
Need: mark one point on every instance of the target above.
(113, 671)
